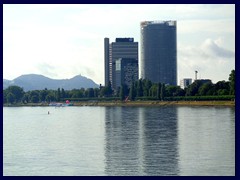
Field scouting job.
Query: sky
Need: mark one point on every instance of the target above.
(65, 40)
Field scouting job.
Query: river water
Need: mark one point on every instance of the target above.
(139, 141)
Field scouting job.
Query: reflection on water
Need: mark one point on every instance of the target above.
(141, 141)
(160, 147)
(122, 141)
(119, 141)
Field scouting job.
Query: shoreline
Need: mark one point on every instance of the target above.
(136, 103)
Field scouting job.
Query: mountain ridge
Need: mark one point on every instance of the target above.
(38, 82)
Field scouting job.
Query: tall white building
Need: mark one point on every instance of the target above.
(185, 82)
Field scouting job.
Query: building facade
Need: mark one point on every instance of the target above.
(185, 82)
(126, 71)
(121, 48)
(159, 51)
(106, 59)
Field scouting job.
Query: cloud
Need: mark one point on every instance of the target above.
(187, 26)
(210, 59)
(68, 39)
(208, 49)
(46, 69)
(212, 48)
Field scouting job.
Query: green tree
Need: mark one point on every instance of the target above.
(222, 85)
(147, 84)
(63, 94)
(107, 90)
(34, 96)
(117, 92)
(220, 88)
(159, 91)
(58, 95)
(10, 98)
(96, 92)
(50, 97)
(67, 94)
(81, 93)
(74, 95)
(162, 91)
(123, 92)
(153, 90)
(4, 96)
(34, 99)
(77, 93)
(171, 90)
(232, 82)
(25, 98)
(132, 92)
(43, 94)
(180, 91)
(90, 92)
(203, 89)
(16, 91)
(192, 89)
(139, 88)
(222, 92)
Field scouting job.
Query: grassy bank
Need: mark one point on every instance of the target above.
(158, 103)
(137, 103)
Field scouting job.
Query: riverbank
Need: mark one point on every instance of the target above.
(137, 103)
(158, 103)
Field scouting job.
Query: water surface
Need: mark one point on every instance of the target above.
(119, 141)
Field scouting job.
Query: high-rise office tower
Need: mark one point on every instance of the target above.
(121, 48)
(159, 51)
(106, 59)
(126, 71)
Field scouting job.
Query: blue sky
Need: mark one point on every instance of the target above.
(61, 41)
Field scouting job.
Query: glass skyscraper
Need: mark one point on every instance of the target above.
(159, 51)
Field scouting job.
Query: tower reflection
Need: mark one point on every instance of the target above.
(121, 139)
(159, 139)
(141, 141)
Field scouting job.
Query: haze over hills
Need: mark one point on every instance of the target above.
(38, 82)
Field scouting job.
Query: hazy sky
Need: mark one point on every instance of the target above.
(62, 41)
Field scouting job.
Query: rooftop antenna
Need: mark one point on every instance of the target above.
(196, 75)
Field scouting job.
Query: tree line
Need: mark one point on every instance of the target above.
(142, 89)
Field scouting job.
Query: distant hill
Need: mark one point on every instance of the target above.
(38, 82)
